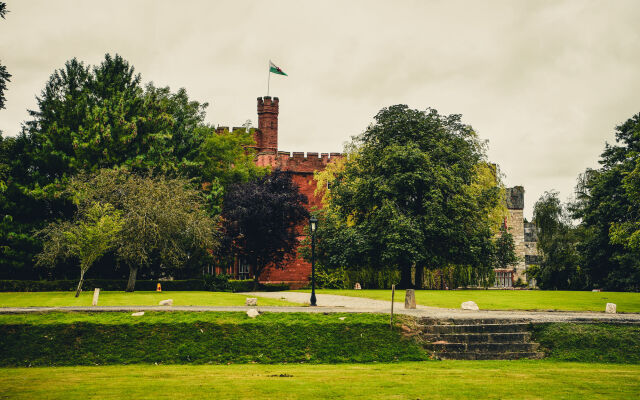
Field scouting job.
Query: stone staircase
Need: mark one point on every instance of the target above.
(478, 339)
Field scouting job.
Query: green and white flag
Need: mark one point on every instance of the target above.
(275, 69)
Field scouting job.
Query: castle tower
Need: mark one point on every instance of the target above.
(267, 133)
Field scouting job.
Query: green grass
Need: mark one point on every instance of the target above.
(589, 342)
(59, 339)
(508, 299)
(60, 299)
(409, 380)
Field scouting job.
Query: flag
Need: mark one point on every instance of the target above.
(275, 69)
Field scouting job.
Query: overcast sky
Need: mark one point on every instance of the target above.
(545, 82)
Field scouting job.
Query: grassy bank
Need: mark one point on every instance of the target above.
(407, 380)
(589, 342)
(173, 338)
(508, 299)
(61, 299)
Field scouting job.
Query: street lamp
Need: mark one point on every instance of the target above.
(313, 223)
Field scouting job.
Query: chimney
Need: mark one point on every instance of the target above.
(267, 133)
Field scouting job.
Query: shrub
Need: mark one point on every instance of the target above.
(104, 284)
(217, 283)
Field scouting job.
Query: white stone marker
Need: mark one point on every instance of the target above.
(251, 301)
(410, 299)
(138, 314)
(168, 302)
(611, 308)
(470, 305)
(252, 313)
(96, 293)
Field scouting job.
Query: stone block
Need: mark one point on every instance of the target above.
(96, 293)
(168, 302)
(470, 305)
(410, 299)
(252, 313)
(611, 308)
(251, 301)
(138, 314)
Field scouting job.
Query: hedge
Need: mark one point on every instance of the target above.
(142, 285)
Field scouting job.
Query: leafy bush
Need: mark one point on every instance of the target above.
(217, 283)
(214, 283)
(104, 284)
(247, 285)
(331, 279)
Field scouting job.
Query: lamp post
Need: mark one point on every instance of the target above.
(313, 223)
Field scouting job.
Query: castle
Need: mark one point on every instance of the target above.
(296, 271)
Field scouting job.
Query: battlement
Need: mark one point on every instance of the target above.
(267, 104)
(299, 162)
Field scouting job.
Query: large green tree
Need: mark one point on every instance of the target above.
(607, 205)
(410, 194)
(557, 244)
(93, 117)
(164, 219)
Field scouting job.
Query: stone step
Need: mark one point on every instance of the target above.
(487, 356)
(477, 328)
(469, 321)
(482, 347)
(511, 337)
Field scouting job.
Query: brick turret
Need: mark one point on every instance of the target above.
(266, 135)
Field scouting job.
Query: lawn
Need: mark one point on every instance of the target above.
(508, 299)
(60, 299)
(408, 380)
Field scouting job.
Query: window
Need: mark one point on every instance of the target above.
(243, 269)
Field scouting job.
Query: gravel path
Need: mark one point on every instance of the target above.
(328, 303)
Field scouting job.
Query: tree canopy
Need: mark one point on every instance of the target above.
(412, 193)
(607, 204)
(102, 117)
(163, 218)
(260, 220)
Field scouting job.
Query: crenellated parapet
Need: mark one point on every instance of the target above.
(305, 163)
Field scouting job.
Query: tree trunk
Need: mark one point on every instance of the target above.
(79, 289)
(405, 277)
(131, 285)
(419, 276)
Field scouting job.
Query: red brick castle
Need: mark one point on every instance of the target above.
(294, 271)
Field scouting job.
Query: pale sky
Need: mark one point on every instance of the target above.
(545, 82)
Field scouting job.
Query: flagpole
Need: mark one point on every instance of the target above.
(268, 79)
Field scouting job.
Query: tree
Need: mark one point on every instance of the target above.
(100, 117)
(261, 219)
(411, 191)
(4, 74)
(607, 205)
(163, 218)
(226, 158)
(627, 232)
(557, 240)
(93, 233)
(505, 250)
